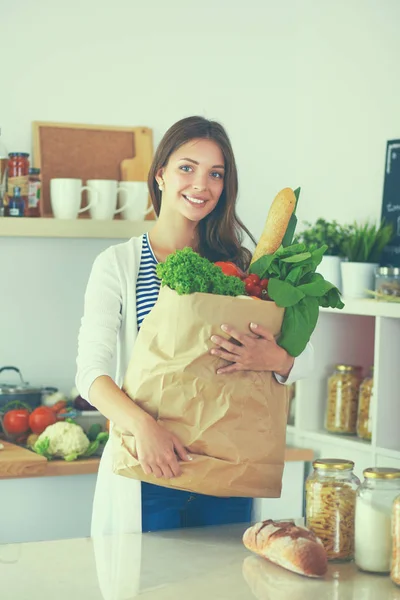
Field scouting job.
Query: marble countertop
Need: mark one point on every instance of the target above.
(208, 563)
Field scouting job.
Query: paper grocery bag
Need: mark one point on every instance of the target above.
(233, 425)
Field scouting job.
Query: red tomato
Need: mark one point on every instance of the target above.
(229, 268)
(253, 277)
(264, 283)
(16, 421)
(253, 289)
(41, 418)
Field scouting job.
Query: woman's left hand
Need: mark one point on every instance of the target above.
(256, 351)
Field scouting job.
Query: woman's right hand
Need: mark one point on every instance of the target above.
(158, 450)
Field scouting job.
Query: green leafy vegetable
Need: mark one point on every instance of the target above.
(295, 286)
(187, 272)
(291, 228)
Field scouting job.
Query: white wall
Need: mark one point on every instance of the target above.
(308, 91)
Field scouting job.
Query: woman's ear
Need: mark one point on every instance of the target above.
(159, 178)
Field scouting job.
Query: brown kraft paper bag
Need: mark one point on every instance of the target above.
(233, 425)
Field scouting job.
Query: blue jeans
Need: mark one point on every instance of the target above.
(166, 508)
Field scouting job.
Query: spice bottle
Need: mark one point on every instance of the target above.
(330, 506)
(18, 175)
(364, 419)
(373, 535)
(342, 404)
(16, 205)
(34, 193)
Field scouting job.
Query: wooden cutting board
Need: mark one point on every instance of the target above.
(19, 462)
(137, 168)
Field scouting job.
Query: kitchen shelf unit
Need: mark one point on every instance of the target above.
(74, 228)
(366, 332)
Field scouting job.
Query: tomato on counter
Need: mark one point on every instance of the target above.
(41, 418)
(16, 421)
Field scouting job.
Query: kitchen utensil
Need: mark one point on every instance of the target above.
(21, 391)
(136, 194)
(66, 198)
(102, 195)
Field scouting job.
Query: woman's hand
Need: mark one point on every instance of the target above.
(158, 450)
(255, 351)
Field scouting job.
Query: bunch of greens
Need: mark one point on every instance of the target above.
(329, 233)
(187, 272)
(365, 243)
(295, 286)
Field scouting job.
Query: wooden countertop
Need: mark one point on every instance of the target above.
(16, 461)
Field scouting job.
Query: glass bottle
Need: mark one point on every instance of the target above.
(373, 536)
(330, 506)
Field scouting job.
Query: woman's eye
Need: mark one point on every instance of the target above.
(185, 168)
(217, 175)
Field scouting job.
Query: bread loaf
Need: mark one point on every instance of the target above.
(276, 224)
(294, 548)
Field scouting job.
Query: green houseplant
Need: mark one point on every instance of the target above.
(362, 250)
(333, 235)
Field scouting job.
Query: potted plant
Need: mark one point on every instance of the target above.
(333, 235)
(362, 250)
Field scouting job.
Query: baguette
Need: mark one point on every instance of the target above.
(276, 224)
(294, 548)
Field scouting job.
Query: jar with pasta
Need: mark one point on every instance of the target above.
(395, 564)
(330, 505)
(342, 405)
(373, 528)
(364, 419)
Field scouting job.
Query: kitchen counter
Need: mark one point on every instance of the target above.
(16, 461)
(208, 563)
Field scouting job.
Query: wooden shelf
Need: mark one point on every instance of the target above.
(76, 228)
(367, 307)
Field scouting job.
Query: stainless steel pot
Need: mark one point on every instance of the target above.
(20, 391)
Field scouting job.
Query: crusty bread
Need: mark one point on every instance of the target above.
(276, 224)
(282, 542)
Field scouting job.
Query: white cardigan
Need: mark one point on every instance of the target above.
(109, 325)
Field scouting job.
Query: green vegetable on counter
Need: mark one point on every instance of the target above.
(67, 440)
(187, 272)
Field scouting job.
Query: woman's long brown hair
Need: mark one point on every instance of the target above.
(221, 232)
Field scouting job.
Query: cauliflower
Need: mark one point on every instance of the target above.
(66, 440)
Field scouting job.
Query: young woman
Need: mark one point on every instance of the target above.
(193, 185)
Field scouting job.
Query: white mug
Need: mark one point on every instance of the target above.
(102, 195)
(66, 198)
(136, 194)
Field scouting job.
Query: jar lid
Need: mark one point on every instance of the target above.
(347, 368)
(381, 473)
(333, 463)
(34, 171)
(14, 154)
(390, 271)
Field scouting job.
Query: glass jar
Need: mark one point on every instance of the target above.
(364, 418)
(395, 564)
(387, 282)
(373, 536)
(330, 505)
(343, 390)
(18, 176)
(34, 193)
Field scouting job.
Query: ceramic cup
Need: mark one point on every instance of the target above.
(66, 198)
(102, 196)
(136, 194)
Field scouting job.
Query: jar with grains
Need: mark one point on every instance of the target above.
(395, 564)
(364, 418)
(330, 505)
(342, 405)
(372, 530)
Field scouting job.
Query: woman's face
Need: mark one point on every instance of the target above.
(193, 179)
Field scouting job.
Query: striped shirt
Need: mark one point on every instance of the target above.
(148, 284)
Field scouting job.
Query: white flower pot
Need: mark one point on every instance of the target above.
(329, 268)
(357, 278)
